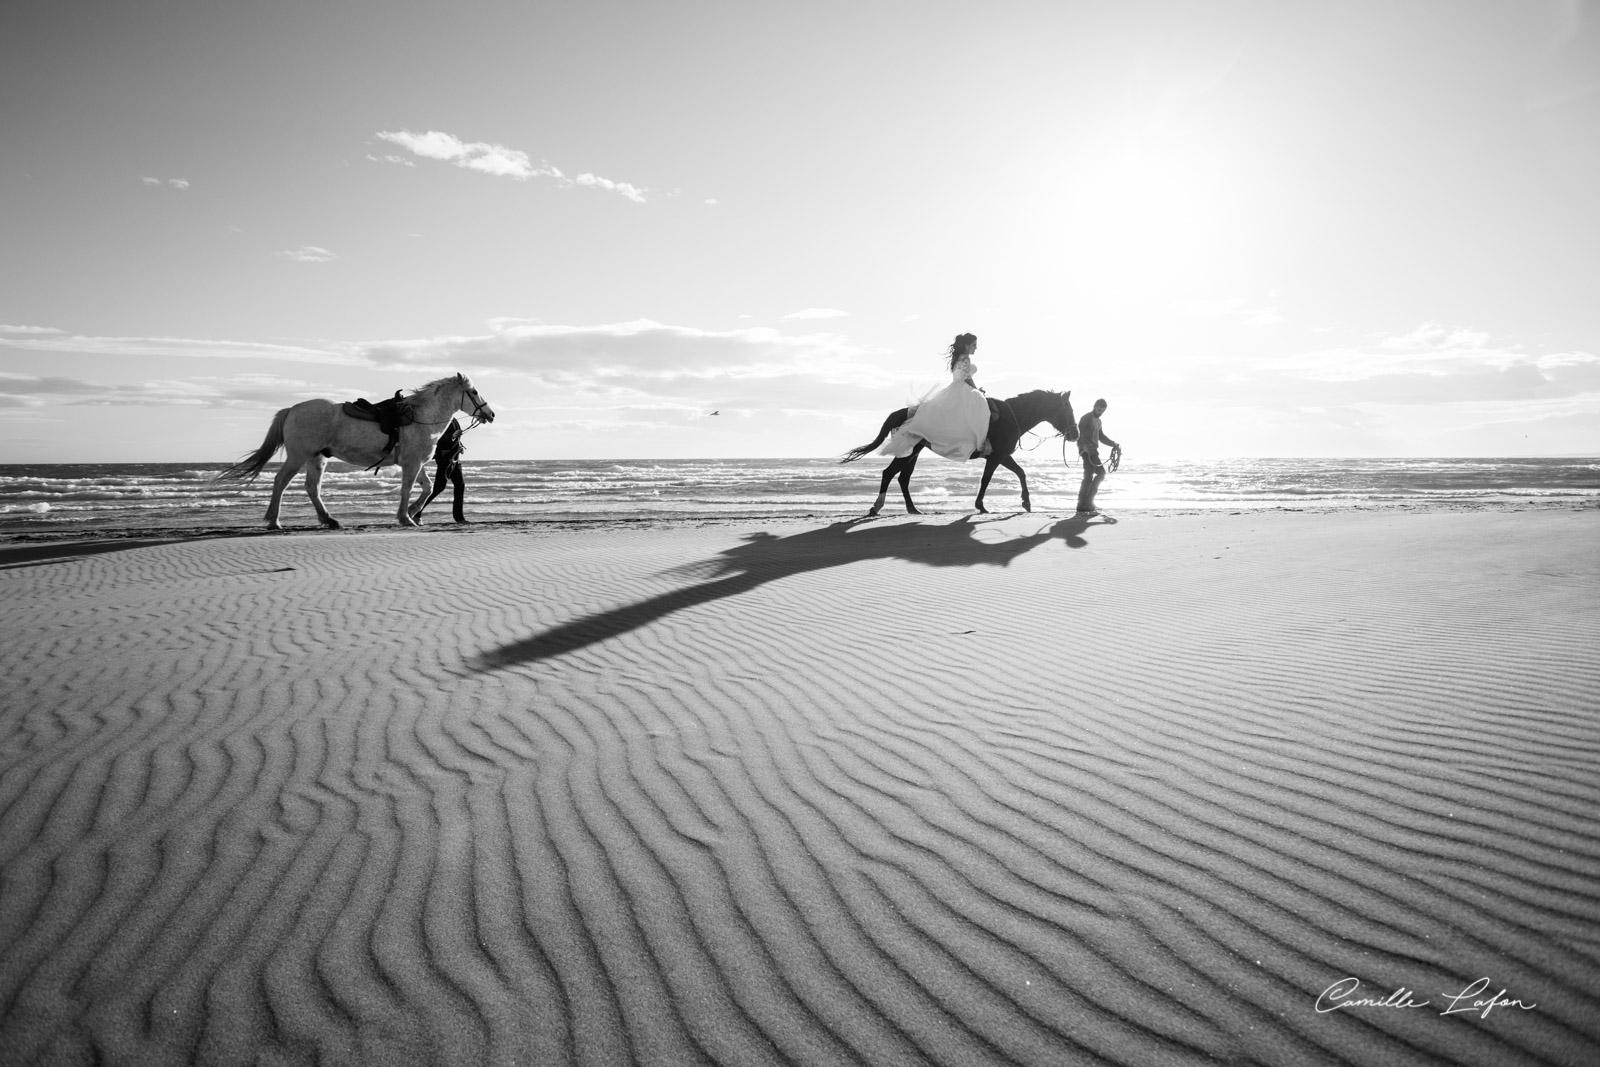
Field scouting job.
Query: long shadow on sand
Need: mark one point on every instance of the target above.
(766, 557)
(60, 550)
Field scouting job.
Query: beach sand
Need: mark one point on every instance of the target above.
(955, 790)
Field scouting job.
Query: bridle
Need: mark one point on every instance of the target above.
(477, 407)
(467, 393)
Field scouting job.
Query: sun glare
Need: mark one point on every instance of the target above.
(1148, 214)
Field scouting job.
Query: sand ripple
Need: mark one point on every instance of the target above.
(1018, 791)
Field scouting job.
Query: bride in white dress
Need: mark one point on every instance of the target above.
(953, 420)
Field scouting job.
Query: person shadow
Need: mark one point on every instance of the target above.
(766, 557)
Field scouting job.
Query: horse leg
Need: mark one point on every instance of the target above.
(409, 469)
(883, 486)
(426, 491)
(905, 478)
(291, 467)
(314, 469)
(983, 486)
(1015, 468)
(432, 491)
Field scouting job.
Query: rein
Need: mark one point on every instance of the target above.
(1042, 439)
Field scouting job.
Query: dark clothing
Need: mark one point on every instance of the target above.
(447, 454)
(449, 447)
(1094, 472)
(1089, 432)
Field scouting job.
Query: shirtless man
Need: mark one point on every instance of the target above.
(1094, 472)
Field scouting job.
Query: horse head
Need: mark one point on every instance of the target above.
(1063, 420)
(471, 401)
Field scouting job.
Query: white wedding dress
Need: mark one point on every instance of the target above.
(953, 420)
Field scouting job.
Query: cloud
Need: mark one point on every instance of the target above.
(1431, 336)
(642, 348)
(479, 155)
(391, 158)
(597, 369)
(1429, 349)
(151, 181)
(500, 161)
(1429, 365)
(308, 254)
(818, 313)
(642, 354)
(713, 203)
(239, 391)
(1510, 385)
(45, 340)
(178, 183)
(631, 192)
(25, 384)
(582, 372)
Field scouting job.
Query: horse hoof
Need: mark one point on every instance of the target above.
(332, 524)
(982, 510)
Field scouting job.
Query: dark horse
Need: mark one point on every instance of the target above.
(1008, 421)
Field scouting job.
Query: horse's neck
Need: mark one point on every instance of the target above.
(1029, 410)
(435, 405)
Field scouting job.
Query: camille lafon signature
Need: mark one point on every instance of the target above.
(1345, 993)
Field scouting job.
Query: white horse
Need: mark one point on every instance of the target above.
(313, 430)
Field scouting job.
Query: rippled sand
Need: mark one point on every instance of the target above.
(1017, 790)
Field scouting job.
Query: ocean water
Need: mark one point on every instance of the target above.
(180, 496)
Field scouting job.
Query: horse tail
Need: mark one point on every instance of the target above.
(895, 420)
(247, 468)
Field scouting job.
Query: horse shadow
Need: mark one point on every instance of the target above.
(766, 557)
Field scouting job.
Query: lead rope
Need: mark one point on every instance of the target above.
(1042, 439)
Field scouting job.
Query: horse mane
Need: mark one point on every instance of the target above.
(438, 383)
(1046, 399)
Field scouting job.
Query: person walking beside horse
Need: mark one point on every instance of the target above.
(447, 454)
(314, 431)
(1090, 435)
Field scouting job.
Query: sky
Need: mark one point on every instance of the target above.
(729, 229)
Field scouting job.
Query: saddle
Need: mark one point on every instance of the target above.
(1002, 426)
(389, 414)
